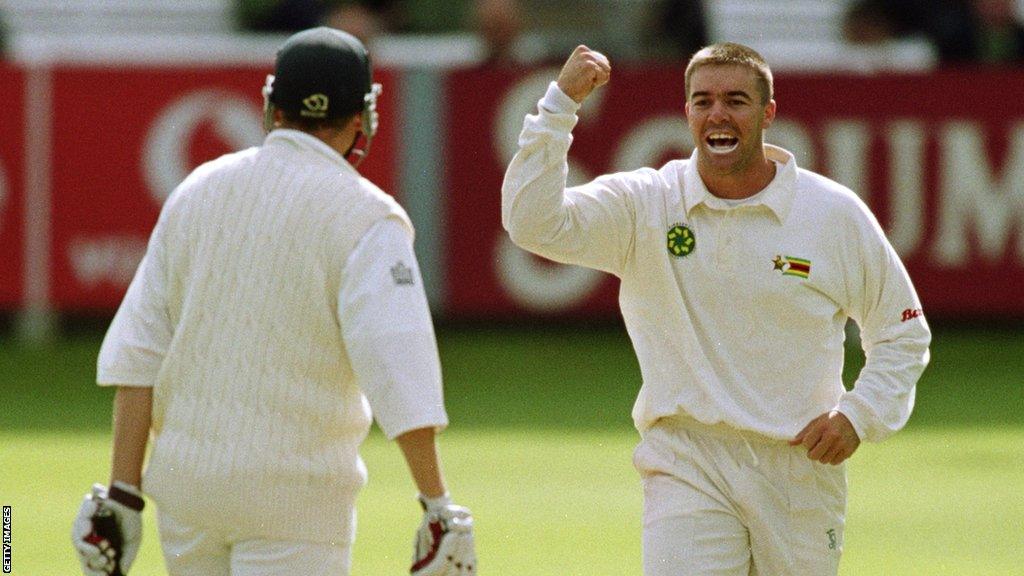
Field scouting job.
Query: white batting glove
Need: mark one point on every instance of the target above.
(108, 529)
(444, 542)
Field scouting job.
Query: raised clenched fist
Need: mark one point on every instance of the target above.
(585, 70)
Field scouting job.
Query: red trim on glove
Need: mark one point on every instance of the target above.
(436, 532)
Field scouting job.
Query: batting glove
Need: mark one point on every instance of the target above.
(108, 530)
(444, 542)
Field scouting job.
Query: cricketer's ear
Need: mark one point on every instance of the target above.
(769, 113)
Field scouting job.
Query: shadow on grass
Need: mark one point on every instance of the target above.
(538, 378)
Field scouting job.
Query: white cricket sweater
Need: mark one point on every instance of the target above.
(258, 376)
(736, 312)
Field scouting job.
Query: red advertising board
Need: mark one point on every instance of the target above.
(123, 138)
(12, 187)
(940, 158)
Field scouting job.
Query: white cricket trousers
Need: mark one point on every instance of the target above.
(192, 551)
(724, 503)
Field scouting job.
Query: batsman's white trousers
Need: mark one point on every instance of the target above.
(192, 551)
(725, 503)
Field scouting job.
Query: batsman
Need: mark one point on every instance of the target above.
(278, 303)
(738, 273)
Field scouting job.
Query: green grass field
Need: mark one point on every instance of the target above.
(540, 449)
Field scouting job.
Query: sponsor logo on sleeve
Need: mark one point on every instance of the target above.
(402, 275)
(911, 313)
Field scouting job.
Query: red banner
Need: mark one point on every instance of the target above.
(12, 188)
(487, 275)
(124, 138)
(940, 158)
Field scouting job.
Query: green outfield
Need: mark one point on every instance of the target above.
(540, 449)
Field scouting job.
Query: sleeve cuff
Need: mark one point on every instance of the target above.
(858, 415)
(558, 102)
(137, 380)
(394, 429)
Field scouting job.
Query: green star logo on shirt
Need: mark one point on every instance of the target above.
(681, 241)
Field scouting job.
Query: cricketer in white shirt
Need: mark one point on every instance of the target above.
(279, 300)
(736, 309)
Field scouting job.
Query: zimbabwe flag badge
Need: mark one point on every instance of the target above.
(681, 240)
(792, 266)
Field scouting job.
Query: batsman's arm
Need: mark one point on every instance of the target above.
(420, 450)
(107, 532)
(137, 340)
(133, 406)
(387, 331)
(386, 327)
(444, 543)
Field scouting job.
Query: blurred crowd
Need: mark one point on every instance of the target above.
(362, 18)
(3, 35)
(950, 32)
(958, 31)
(936, 32)
(672, 28)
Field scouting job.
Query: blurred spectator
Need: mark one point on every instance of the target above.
(367, 19)
(4, 35)
(499, 26)
(1000, 35)
(950, 24)
(357, 19)
(880, 40)
(943, 23)
(961, 31)
(279, 15)
(870, 24)
(677, 29)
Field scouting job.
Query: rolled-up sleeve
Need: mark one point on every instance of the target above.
(388, 333)
(134, 347)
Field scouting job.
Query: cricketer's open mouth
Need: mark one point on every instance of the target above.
(721, 143)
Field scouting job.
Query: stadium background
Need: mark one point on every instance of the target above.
(540, 376)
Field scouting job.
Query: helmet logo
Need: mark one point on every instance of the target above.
(316, 106)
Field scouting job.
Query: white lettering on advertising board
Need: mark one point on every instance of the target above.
(106, 260)
(974, 199)
(979, 210)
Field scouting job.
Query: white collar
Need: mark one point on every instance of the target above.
(777, 196)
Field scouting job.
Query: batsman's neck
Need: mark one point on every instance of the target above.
(340, 139)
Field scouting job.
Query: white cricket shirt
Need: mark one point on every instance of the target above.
(736, 312)
(278, 300)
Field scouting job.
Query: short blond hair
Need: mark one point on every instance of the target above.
(729, 53)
